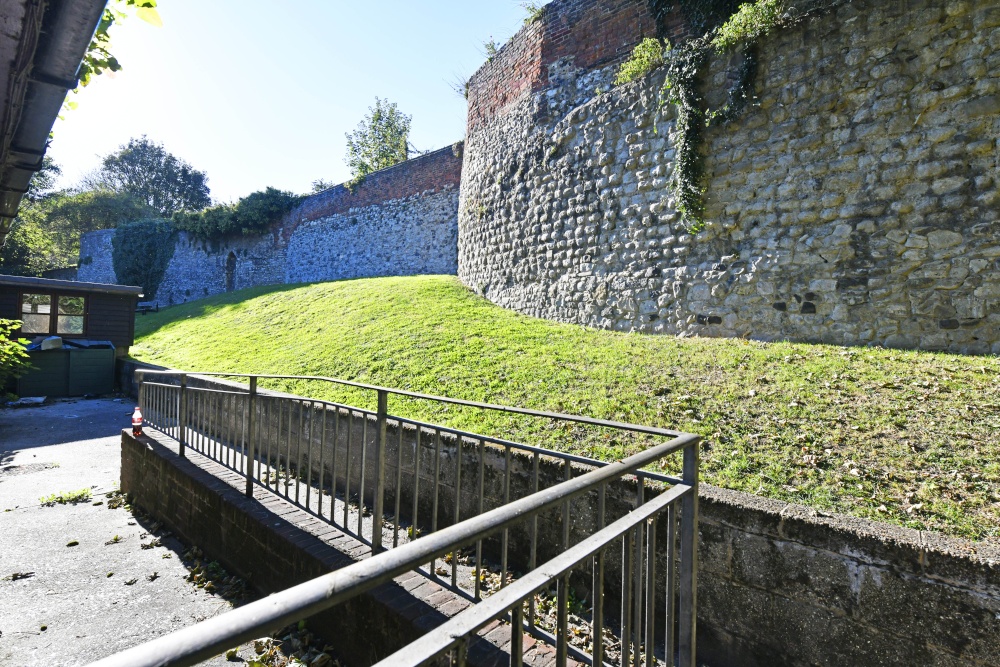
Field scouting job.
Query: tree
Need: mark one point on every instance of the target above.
(380, 140)
(43, 182)
(148, 173)
(28, 247)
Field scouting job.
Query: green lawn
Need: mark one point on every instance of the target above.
(906, 437)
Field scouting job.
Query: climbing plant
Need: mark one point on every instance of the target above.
(722, 27)
(141, 251)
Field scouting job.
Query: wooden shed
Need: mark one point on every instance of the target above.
(86, 316)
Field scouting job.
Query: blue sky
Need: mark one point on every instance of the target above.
(261, 92)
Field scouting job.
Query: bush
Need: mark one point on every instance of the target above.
(13, 356)
(141, 251)
(250, 215)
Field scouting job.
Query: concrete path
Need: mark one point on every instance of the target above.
(78, 605)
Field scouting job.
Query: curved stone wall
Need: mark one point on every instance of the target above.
(855, 203)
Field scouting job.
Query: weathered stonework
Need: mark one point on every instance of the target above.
(399, 221)
(856, 202)
(95, 265)
(416, 235)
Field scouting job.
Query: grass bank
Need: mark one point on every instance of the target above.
(905, 437)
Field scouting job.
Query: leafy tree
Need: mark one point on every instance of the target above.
(147, 172)
(42, 184)
(28, 248)
(380, 140)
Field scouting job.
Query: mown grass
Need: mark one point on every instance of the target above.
(905, 437)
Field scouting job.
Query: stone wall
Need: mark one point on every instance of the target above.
(411, 236)
(95, 265)
(398, 221)
(855, 202)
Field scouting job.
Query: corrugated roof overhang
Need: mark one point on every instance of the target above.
(42, 43)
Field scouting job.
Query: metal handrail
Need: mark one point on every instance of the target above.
(635, 428)
(208, 638)
(456, 632)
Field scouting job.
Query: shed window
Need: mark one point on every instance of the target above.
(36, 313)
(44, 314)
(70, 319)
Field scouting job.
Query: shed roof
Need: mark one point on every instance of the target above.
(67, 285)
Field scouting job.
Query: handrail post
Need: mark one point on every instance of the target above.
(380, 430)
(140, 392)
(689, 560)
(251, 444)
(182, 416)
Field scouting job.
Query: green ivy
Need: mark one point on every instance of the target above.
(724, 26)
(141, 251)
(252, 214)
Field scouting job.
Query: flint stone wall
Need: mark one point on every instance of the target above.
(855, 202)
(95, 264)
(399, 221)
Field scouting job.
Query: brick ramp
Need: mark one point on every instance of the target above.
(275, 545)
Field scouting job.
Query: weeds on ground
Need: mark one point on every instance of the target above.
(66, 498)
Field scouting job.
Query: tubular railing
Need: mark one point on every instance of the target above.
(306, 450)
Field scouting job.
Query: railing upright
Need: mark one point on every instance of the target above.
(380, 431)
(181, 416)
(689, 561)
(251, 449)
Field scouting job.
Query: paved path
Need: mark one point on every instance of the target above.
(86, 614)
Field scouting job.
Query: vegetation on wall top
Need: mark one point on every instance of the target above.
(250, 215)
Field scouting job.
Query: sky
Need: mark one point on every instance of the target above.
(260, 93)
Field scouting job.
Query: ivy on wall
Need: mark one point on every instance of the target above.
(723, 27)
(140, 253)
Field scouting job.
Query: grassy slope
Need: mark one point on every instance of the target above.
(907, 437)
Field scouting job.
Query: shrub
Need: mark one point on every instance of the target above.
(646, 56)
(250, 215)
(13, 356)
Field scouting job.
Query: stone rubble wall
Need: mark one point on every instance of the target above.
(399, 221)
(95, 265)
(856, 202)
(412, 236)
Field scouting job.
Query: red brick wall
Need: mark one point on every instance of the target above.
(433, 171)
(592, 33)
